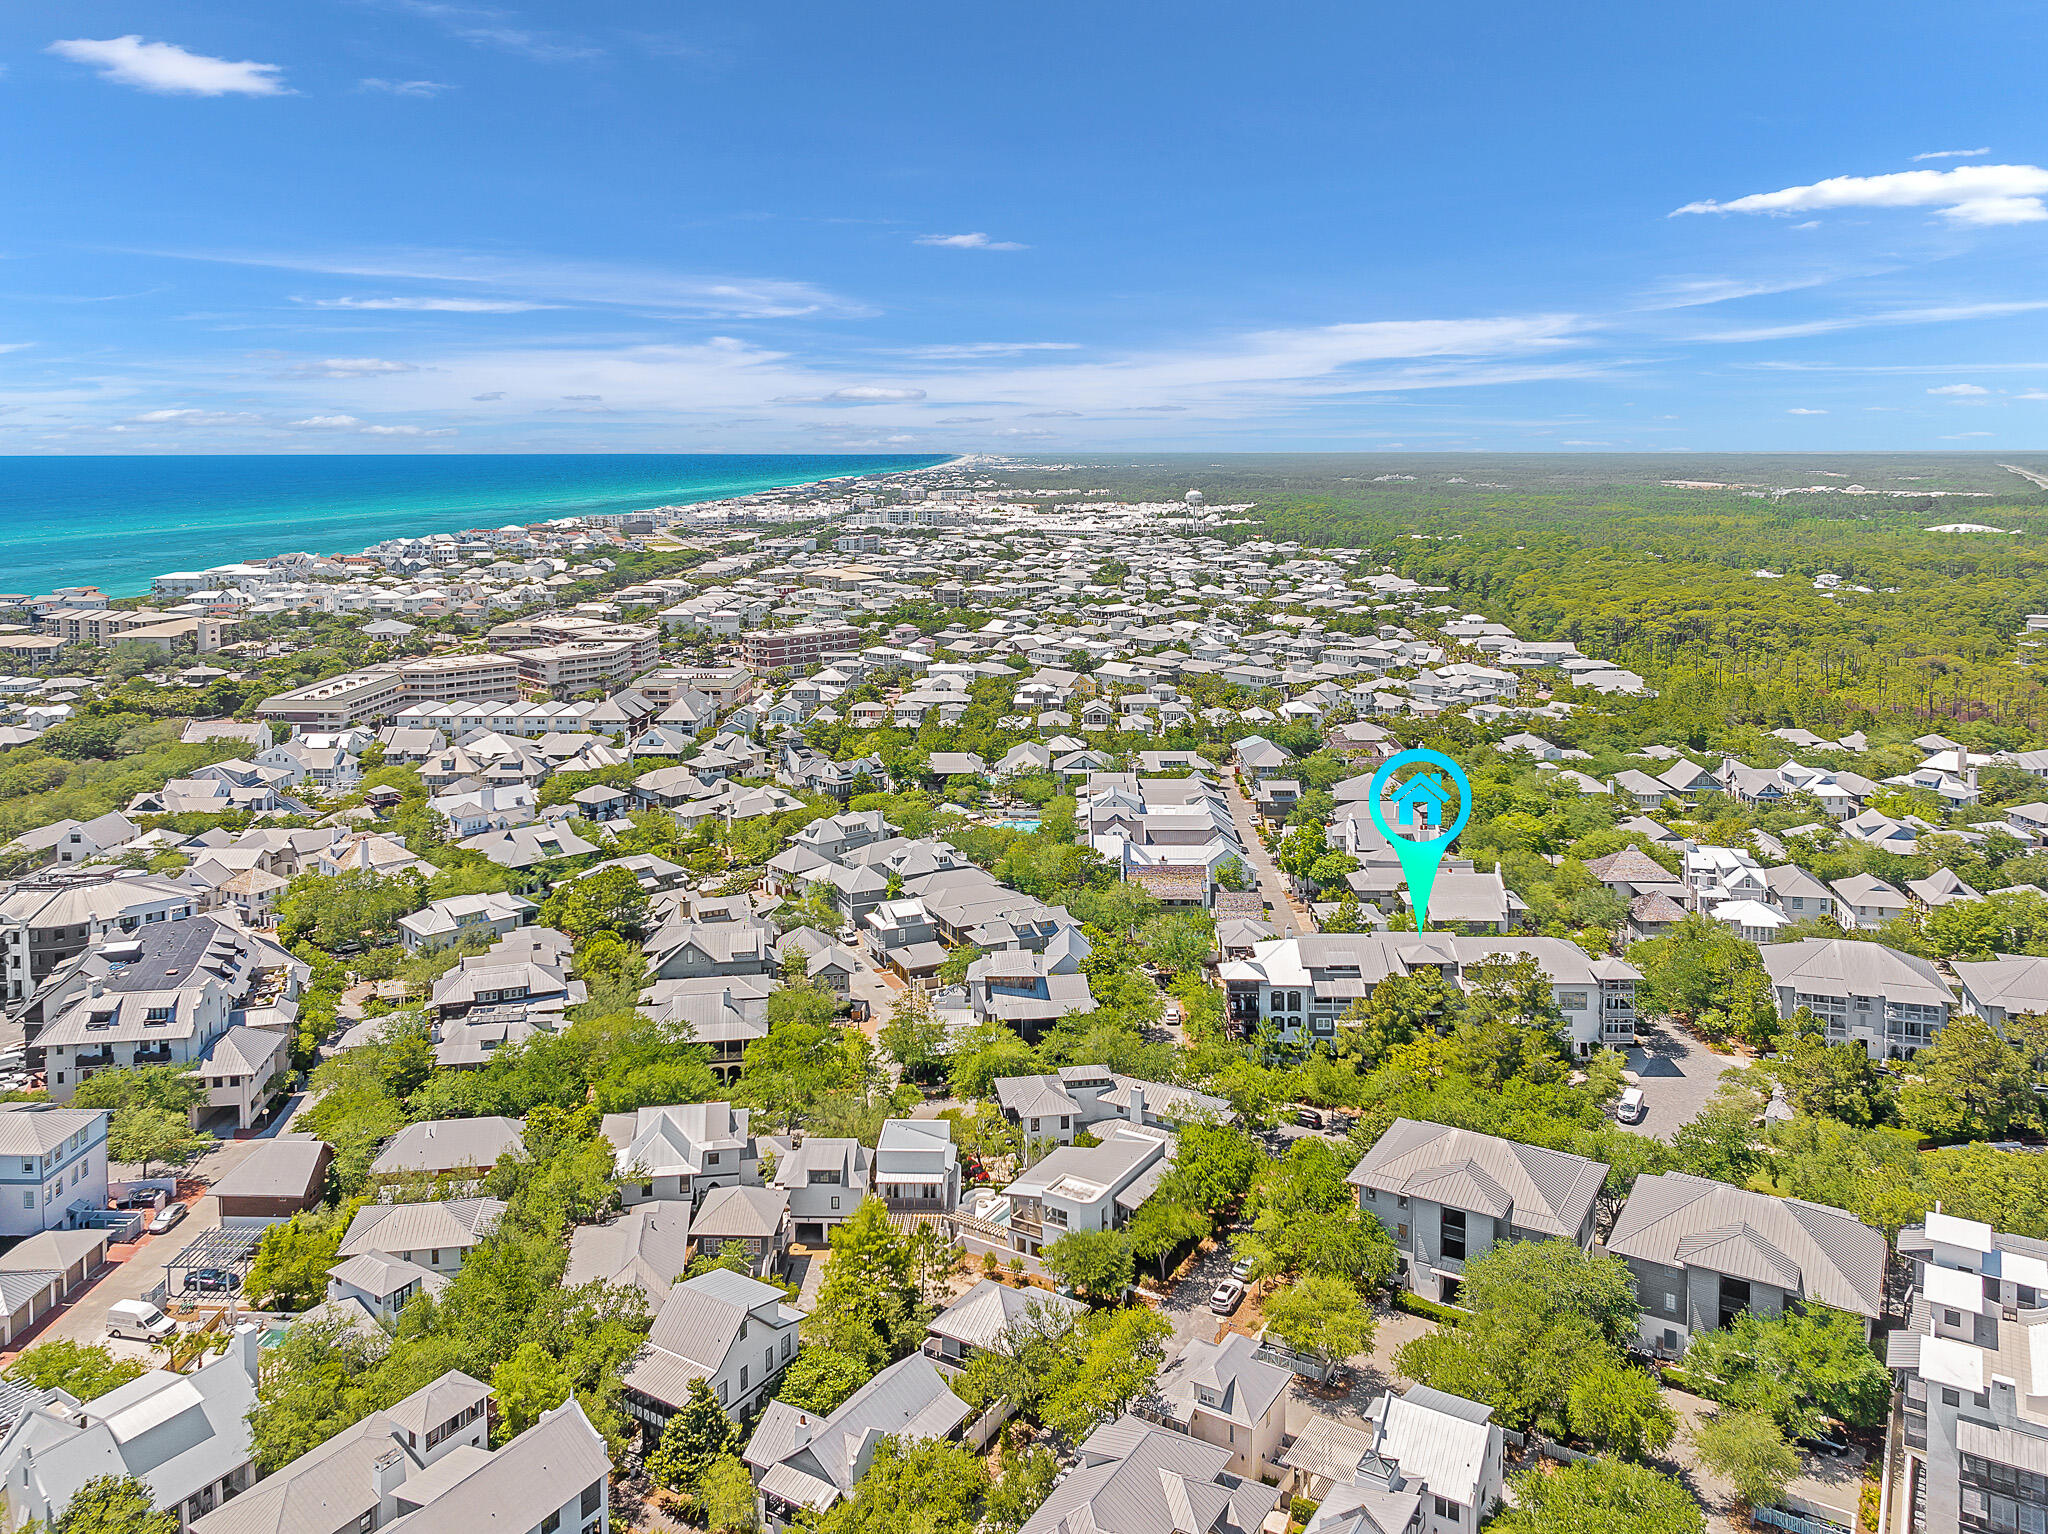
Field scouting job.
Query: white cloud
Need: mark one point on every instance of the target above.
(975, 349)
(352, 367)
(975, 241)
(190, 417)
(856, 394)
(568, 283)
(1969, 194)
(1802, 410)
(1958, 391)
(1959, 436)
(1048, 415)
(430, 305)
(1933, 316)
(2033, 394)
(1952, 154)
(963, 420)
(405, 87)
(168, 69)
(483, 399)
(407, 431)
(323, 423)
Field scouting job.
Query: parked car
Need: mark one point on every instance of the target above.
(1309, 1118)
(1631, 1108)
(1241, 1270)
(1228, 1296)
(166, 1217)
(210, 1280)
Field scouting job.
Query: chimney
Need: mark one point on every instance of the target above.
(99, 988)
(386, 1476)
(248, 1348)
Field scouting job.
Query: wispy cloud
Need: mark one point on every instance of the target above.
(323, 423)
(404, 87)
(975, 241)
(1939, 314)
(1969, 194)
(488, 26)
(430, 305)
(967, 351)
(856, 394)
(351, 367)
(1959, 391)
(192, 417)
(408, 431)
(1803, 410)
(169, 70)
(1961, 436)
(1952, 154)
(562, 283)
(1691, 292)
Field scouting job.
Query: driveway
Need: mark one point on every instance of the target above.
(1272, 884)
(1677, 1074)
(1187, 1305)
(84, 1319)
(1829, 1481)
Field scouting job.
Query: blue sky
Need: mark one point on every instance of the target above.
(410, 225)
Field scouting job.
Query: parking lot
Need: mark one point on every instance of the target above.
(1677, 1074)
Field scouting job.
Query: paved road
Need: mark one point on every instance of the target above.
(1677, 1074)
(84, 1319)
(1272, 883)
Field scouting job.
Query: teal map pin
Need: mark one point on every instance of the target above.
(1419, 805)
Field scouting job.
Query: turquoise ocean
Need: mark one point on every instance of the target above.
(117, 522)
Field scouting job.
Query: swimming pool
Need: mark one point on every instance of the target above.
(1026, 826)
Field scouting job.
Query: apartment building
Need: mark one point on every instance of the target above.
(1447, 1196)
(51, 919)
(378, 692)
(167, 997)
(1703, 1252)
(581, 665)
(1300, 986)
(1975, 1403)
(50, 1159)
(808, 644)
(1134, 1478)
(1891, 1003)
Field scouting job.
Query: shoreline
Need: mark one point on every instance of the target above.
(119, 521)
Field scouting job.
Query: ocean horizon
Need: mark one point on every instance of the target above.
(118, 522)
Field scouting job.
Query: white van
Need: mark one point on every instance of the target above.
(139, 1320)
(1631, 1109)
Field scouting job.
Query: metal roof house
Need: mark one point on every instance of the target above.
(1703, 1252)
(1449, 1195)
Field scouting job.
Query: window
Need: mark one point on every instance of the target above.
(835, 1201)
(28, 1199)
(785, 1344)
(552, 1522)
(593, 1497)
(1451, 1229)
(1950, 1397)
(743, 1376)
(1670, 1303)
(711, 1158)
(721, 1392)
(1952, 1317)
(1444, 1509)
(435, 1259)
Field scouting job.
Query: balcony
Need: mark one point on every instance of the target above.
(96, 1060)
(915, 1205)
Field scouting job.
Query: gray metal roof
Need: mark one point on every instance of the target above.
(1549, 1192)
(1820, 1254)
